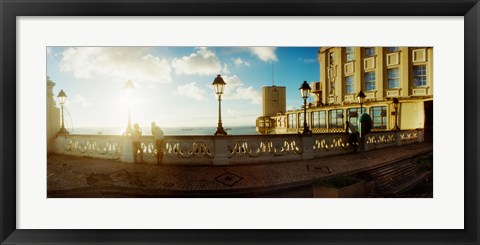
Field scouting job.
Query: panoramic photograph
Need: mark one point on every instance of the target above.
(246, 122)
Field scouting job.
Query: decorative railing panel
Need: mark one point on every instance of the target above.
(329, 144)
(380, 139)
(264, 148)
(180, 149)
(409, 136)
(99, 146)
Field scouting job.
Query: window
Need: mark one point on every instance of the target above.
(292, 120)
(393, 78)
(300, 119)
(370, 81)
(379, 117)
(319, 119)
(349, 53)
(369, 52)
(419, 76)
(274, 94)
(335, 118)
(350, 85)
(392, 49)
(353, 113)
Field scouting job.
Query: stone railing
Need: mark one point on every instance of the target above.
(178, 149)
(261, 148)
(228, 150)
(381, 139)
(98, 146)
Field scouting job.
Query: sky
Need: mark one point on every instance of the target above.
(173, 84)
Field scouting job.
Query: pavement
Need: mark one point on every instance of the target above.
(71, 176)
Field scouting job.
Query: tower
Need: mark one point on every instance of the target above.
(273, 100)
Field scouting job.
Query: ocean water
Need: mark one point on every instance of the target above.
(241, 130)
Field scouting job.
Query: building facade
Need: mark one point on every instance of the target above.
(53, 116)
(382, 73)
(273, 104)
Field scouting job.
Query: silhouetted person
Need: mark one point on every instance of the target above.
(159, 142)
(352, 132)
(136, 144)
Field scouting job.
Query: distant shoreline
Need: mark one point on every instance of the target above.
(234, 130)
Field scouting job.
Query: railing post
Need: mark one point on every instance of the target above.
(220, 156)
(420, 133)
(398, 139)
(307, 147)
(59, 144)
(127, 149)
(364, 142)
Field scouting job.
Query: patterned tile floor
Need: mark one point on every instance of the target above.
(68, 173)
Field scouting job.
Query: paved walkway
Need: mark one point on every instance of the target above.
(70, 176)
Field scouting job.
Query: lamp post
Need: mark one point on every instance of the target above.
(305, 93)
(129, 91)
(395, 105)
(361, 98)
(62, 97)
(219, 86)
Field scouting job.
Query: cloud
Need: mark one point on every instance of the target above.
(203, 62)
(238, 62)
(116, 63)
(233, 82)
(225, 69)
(51, 53)
(235, 90)
(291, 108)
(81, 100)
(191, 90)
(249, 93)
(310, 60)
(264, 53)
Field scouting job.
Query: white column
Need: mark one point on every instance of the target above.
(307, 147)
(127, 150)
(58, 145)
(365, 144)
(398, 139)
(421, 135)
(220, 156)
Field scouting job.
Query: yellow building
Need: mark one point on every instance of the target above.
(382, 73)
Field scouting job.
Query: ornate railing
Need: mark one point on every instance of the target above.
(380, 139)
(99, 146)
(181, 149)
(235, 149)
(264, 148)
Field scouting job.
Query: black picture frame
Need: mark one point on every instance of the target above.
(10, 9)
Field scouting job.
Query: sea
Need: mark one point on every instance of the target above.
(239, 130)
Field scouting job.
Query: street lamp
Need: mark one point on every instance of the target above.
(305, 93)
(129, 91)
(361, 98)
(219, 86)
(62, 97)
(395, 105)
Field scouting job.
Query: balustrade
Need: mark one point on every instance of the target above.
(329, 143)
(98, 146)
(380, 139)
(232, 149)
(264, 148)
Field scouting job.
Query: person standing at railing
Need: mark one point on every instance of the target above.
(159, 142)
(352, 132)
(137, 145)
